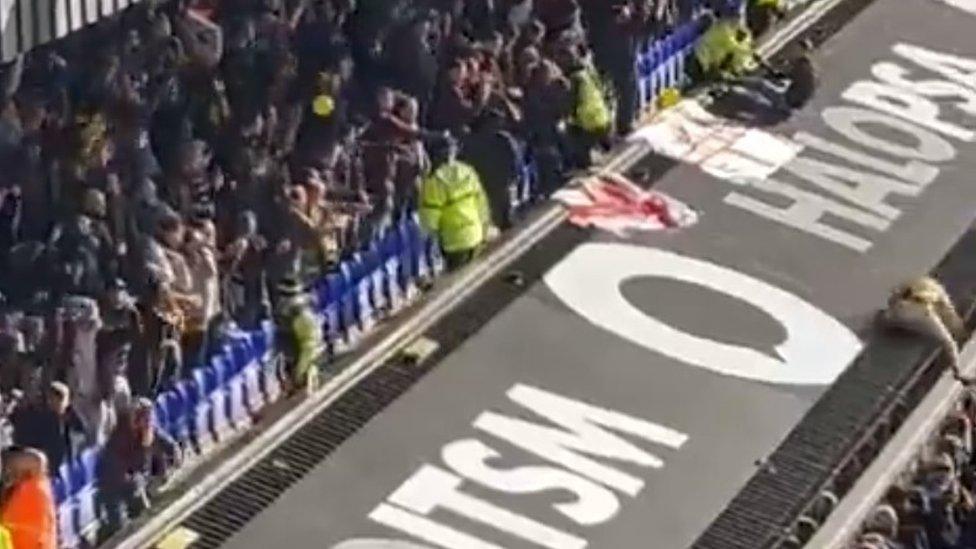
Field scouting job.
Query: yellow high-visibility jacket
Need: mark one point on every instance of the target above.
(453, 206)
(591, 112)
(726, 51)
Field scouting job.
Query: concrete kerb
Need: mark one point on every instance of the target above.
(453, 291)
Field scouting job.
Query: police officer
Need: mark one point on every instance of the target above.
(453, 205)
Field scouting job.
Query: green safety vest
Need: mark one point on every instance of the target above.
(309, 342)
(591, 113)
(453, 206)
(726, 50)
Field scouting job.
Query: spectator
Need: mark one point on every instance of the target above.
(453, 206)
(136, 455)
(28, 510)
(92, 404)
(50, 426)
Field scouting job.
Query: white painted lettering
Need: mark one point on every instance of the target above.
(896, 75)
(426, 529)
(904, 104)
(586, 434)
(955, 68)
(968, 6)
(929, 146)
(433, 488)
(806, 211)
(920, 173)
(817, 347)
(378, 543)
(594, 504)
(864, 189)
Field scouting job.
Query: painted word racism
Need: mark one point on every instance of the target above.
(591, 468)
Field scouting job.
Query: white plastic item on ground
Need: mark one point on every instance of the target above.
(611, 202)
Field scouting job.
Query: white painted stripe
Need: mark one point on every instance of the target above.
(8, 28)
(61, 24)
(91, 11)
(77, 18)
(968, 6)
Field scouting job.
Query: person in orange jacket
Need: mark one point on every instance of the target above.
(28, 510)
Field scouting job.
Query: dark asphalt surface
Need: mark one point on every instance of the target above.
(726, 403)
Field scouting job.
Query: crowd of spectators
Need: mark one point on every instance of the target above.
(164, 175)
(935, 506)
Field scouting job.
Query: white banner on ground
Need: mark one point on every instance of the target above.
(721, 147)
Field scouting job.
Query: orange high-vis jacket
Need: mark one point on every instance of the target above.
(29, 515)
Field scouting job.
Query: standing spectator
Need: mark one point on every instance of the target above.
(92, 397)
(202, 263)
(28, 509)
(121, 328)
(50, 426)
(245, 284)
(454, 207)
(136, 454)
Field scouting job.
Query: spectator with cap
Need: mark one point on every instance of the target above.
(50, 425)
(27, 510)
(454, 206)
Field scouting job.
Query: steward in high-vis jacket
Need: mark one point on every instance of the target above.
(453, 205)
(725, 52)
(303, 337)
(592, 115)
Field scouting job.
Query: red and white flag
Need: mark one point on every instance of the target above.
(613, 203)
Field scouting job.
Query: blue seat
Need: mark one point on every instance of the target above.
(270, 382)
(161, 413)
(67, 506)
(197, 404)
(234, 385)
(374, 272)
(331, 311)
(408, 272)
(251, 381)
(418, 251)
(361, 283)
(176, 412)
(348, 306)
(215, 376)
(85, 497)
(391, 253)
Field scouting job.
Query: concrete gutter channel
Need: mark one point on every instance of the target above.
(395, 337)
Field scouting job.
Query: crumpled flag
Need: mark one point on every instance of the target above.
(613, 203)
